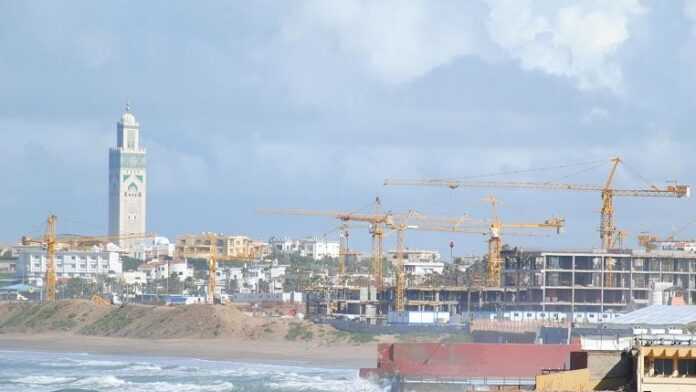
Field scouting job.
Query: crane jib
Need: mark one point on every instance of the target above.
(669, 191)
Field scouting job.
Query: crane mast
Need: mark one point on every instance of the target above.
(607, 230)
(400, 276)
(212, 270)
(50, 240)
(343, 250)
(377, 232)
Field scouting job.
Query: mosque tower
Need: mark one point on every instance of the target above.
(127, 180)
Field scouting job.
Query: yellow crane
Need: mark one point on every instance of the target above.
(400, 227)
(52, 242)
(344, 251)
(212, 269)
(651, 241)
(376, 220)
(495, 230)
(608, 231)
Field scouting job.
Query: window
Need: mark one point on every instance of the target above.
(664, 366)
(687, 367)
(131, 138)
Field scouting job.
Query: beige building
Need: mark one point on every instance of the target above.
(232, 247)
(666, 367)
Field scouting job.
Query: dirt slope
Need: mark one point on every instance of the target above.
(57, 316)
(155, 322)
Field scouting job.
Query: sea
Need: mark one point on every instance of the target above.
(28, 371)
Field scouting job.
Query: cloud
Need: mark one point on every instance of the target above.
(393, 41)
(396, 42)
(595, 114)
(578, 41)
(690, 9)
(689, 47)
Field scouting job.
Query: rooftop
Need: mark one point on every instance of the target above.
(659, 315)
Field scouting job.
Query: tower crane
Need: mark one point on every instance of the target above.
(607, 231)
(51, 241)
(651, 242)
(344, 251)
(495, 230)
(401, 223)
(400, 227)
(212, 269)
(376, 220)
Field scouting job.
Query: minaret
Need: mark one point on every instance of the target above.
(127, 180)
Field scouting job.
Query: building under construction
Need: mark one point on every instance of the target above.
(592, 281)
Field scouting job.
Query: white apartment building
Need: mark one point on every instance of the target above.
(134, 277)
(415, 255)
(310, 247)
(32, 262)
(250, 277)
(420, 268)
(420, 262)
(161, 269)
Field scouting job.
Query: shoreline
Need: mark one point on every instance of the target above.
(216, 349)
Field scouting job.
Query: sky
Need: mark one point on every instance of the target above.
(312, 104)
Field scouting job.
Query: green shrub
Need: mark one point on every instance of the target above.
(113, 322)
(299, 331)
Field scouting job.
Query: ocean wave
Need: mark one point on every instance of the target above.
(107, 381)
(72, 363)
(163, 386)
(43, 380)
(99, 363)
(172, 387)
(144, 367)
(298, 382)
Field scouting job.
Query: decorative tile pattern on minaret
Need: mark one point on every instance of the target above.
(127, 180)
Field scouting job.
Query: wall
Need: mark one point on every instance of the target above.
(568, 381)
(609, 369)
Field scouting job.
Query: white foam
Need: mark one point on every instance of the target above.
(144, 367)
(99, 363)
(43, 380)
(162, 386)
(298, 382)
(71, 363)
(106, 381)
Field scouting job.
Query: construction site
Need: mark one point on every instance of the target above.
(587, 285)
